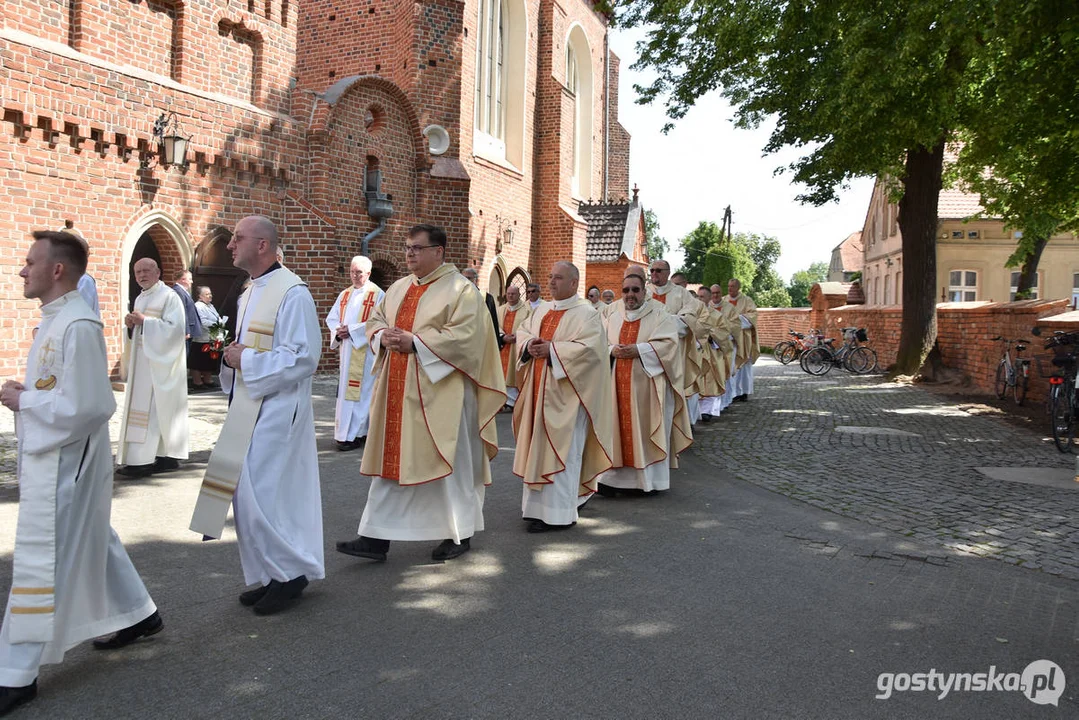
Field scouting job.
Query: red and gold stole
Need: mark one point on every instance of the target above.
(623, 383)
(344, 304)
(507, 329)
(547, 330)
(398, 375)
(658, 298)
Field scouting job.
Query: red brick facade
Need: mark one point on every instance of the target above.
(287, 103)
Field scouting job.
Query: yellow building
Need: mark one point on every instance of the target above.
(971, 255)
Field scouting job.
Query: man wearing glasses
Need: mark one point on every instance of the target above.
(532, 295)
(438, 390)
(562, 419)
(651, 424)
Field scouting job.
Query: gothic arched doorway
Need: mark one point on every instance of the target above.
(496, 284)
(214, 268)
(384, 273)
(144, 248)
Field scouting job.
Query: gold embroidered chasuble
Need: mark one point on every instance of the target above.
(546, 412)
(414, 429)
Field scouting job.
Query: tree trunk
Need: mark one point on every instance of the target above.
(918, 225)
(1028, 273)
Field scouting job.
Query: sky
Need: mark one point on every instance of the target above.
(704, 164)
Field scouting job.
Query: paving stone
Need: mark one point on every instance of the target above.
(904, 459)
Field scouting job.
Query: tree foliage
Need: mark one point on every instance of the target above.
(862, 88)
(804, 280)
(655, 245)
(1030, 83)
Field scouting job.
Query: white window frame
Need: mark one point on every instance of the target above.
(1013, 282)
(489, 113)
(964, 288)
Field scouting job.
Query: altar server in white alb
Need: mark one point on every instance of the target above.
(265, 462)
(347, 322)
(153, 431)
(72, 579)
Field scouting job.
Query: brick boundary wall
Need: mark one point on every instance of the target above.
(773, 324)
(963, 333)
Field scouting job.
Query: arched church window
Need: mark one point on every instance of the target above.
(498, 113)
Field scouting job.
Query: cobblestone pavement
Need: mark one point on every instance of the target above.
(900, 458)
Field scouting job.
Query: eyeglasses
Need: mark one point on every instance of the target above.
(631, 290)
(413, 249)
(658, 270)
(531, 292)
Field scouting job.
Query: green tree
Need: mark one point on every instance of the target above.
(655, 245)
(729, 260)
(773, 298)
(802, 282)
(696, 245)
(1032, 151)
(864, 88)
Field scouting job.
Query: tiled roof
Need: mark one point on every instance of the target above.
(954, 204)
(851, 251)
(607, 223)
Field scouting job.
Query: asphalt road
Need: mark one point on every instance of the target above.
(718, 598)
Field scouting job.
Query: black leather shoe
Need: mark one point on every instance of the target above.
(279, 595)
(135, 471)
(742, 398)
(165, 464)
(606, 490)
(150, 626)
(13, 697)
(538, 526)
(448, 549)
(706, 417)
(365, 547)
(249, 598)
(346, 445)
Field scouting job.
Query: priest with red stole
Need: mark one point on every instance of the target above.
(652, 425)
(562, 419)
(438, 390)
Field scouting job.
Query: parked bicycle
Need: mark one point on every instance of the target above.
(1013, 375)
(851, 356)
(1062, 371)
(787, 351)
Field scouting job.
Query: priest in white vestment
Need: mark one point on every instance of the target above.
(72, 579)
(277, 504)
(439, 388)
(347, 323)
(562, 420)
(153, 429)
(511, 317)
(651, 424)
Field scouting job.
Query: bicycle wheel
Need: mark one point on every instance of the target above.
(1063, 419)
(1022, 381)
(789, 354)
(779, 349)
(860, 360)
(817, 361)
(1001, 384)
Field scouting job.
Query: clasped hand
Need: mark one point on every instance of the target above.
(397, 340)
(10, 393)
(623, 352)
(134, 318)
(233, 353)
